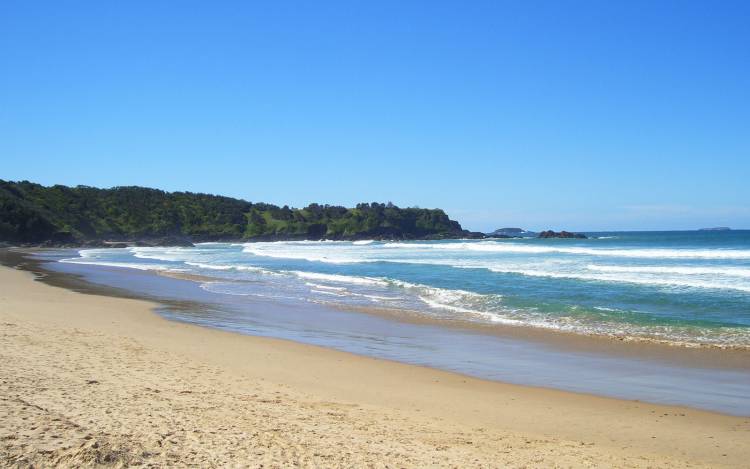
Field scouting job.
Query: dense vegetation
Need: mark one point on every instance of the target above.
(31, 213)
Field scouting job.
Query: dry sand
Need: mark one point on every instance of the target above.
(89, 380)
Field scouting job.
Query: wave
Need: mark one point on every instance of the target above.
(326, 292)
(367, 252)
(125, 265)
(166, 254)
(380, 297)
(246, 268)
(304, 256)
(200, 265)
(449, 299)
(681, 270)
(454, 300)
(600, 273)
(455, 304)
(342, 291)
(712, 277)
(655, 253)
(339, 278)
(490, 308)
(646, 281)
(324, 287)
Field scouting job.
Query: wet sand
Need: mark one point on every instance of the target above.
(92, 379)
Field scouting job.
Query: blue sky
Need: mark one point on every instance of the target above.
(576, 115)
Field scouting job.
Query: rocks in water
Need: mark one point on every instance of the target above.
(499, 235)
(561, 234)
(473, 235)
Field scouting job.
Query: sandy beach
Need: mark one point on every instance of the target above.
(92, 380)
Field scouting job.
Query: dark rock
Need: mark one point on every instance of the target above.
(474, 235)
(94, 243)
(561, 234)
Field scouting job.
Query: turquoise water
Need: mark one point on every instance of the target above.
(691, 288)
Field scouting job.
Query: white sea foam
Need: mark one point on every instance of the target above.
(319, 254)
(653, 280)
(576, 272)
(201, 265)
(432, 296)
(501, 247)
(363, 242)
(324, 287)
(436, 304)
(125, 265)
(455, 300)
(339, 278)
(326, 292)
(159, 254)
(380, 297)
(344, 292)
(604, 308)
(681, 270)
(246, 268)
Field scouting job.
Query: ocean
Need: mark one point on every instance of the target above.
(687, 288)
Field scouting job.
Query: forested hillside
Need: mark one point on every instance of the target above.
(31, 213)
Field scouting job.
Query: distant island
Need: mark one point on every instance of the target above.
(717, 228)
(60, 215)
(512, 233)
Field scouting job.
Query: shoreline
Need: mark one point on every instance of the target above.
(710, 353)
(657, 359)
(706, 355)
(569, 426)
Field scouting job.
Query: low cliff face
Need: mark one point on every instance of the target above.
(561, 234)
(61, 215)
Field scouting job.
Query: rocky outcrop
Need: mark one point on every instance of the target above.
(511, 233)
(561, 234)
